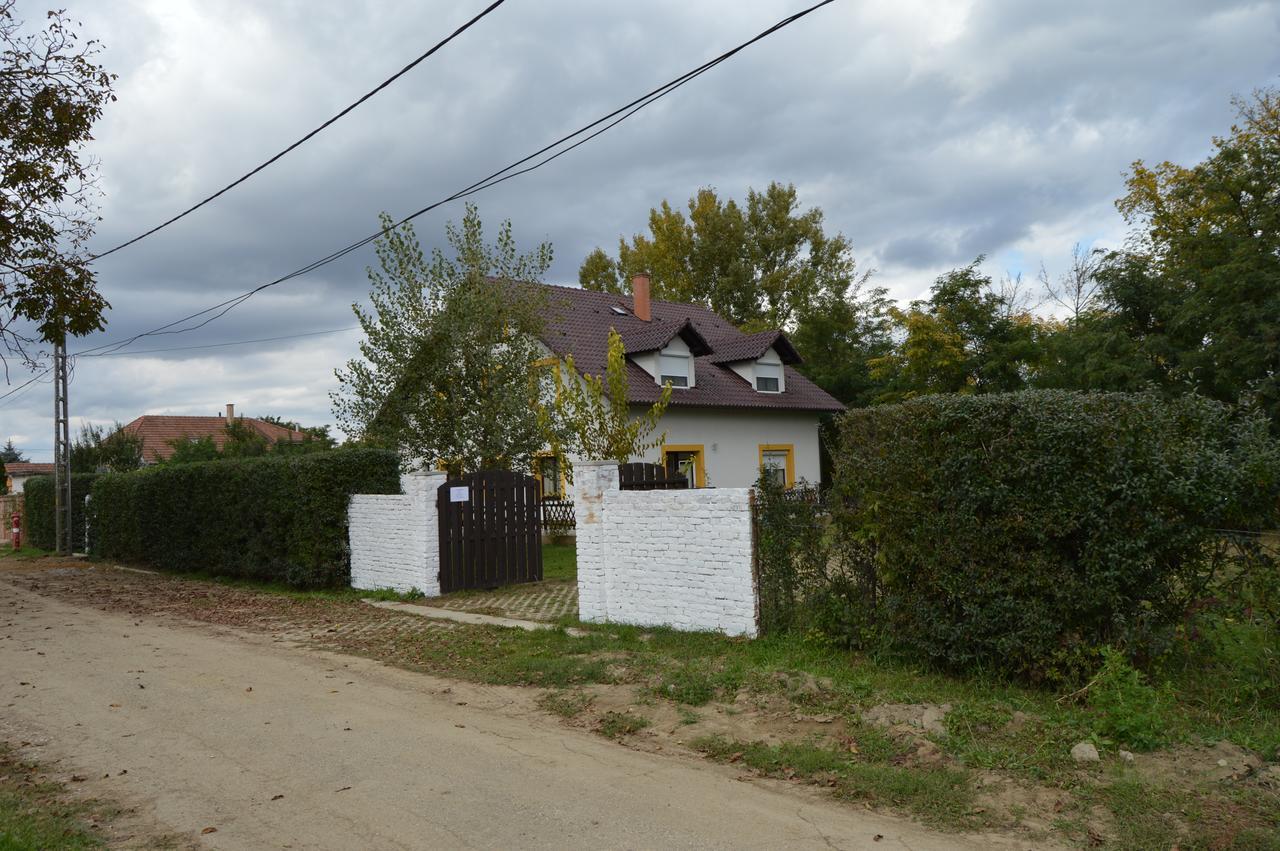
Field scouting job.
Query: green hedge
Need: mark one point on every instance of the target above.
(38, 508)
(281, 519)
(1023, 532)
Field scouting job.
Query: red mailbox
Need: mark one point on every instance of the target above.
(17, 530)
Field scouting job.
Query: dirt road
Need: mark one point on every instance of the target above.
(278, 746)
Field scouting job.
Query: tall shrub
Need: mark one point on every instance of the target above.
(39, 515)
(280, 519)
(1023, 532)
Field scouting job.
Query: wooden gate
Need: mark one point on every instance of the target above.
(639, 476)
(490, 532)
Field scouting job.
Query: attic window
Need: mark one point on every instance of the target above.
(768, 377)
(673, 367)
(621, 311)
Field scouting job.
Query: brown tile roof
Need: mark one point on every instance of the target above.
(159, 430)
(27, 468)
(578, 323)
(752, 346)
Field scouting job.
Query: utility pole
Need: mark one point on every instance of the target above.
(61, 452)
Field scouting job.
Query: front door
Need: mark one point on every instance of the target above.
(687, 462)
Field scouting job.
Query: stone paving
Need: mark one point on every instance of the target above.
(533, 601)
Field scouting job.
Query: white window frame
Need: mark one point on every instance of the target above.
(664, 374)
(773, 366)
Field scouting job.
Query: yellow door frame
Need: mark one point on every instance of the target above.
(790, 449)
(700, 467)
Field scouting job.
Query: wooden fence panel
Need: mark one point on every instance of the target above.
(638, 476)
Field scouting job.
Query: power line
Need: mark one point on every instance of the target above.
(515, 169)
(221, 345)
(406, 69)
(37, 377)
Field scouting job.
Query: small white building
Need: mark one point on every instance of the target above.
(737, 406)
(17, 473)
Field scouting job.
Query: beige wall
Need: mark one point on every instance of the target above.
(731, 440)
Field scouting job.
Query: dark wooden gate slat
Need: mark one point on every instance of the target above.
(494, 536)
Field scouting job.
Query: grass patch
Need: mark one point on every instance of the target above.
(35, 815)
(1150, 816)
(566, 704)
(23, 553)
(615, 725)
(560, 562)
(938, 795)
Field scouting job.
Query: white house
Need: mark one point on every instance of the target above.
(737, 405)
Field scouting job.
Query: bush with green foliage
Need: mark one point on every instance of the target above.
(1025, 532)
(39, 520)
(1130, 711)
(274, 518)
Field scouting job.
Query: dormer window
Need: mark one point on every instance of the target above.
(768, 377)
(674, 367)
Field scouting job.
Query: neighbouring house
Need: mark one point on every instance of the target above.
(159, 432)
(738, 406)
(17, 472)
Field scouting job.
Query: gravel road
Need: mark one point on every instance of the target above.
(276, 745)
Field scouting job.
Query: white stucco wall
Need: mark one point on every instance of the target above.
(395, 538)
(731, 441)
(664, 558)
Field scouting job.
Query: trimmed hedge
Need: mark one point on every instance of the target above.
(280, 519)
(38, 523)
(1024, 532)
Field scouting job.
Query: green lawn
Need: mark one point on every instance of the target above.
(560, 561)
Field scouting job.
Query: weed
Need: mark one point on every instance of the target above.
(1132, 712)
(566, 704)
(938, 795)
(615, 725)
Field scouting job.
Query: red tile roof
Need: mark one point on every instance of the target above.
(159, 431)
(27, 468)
(578, 323)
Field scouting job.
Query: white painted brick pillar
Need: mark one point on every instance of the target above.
(591, 480)
(422, 488)
(395, 538)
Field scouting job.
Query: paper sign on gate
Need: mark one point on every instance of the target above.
(461, 494)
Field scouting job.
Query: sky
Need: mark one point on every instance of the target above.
(928, 132)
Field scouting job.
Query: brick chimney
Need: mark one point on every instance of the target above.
(231, 412)
(640, 297)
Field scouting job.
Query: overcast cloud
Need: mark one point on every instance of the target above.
(929, 132)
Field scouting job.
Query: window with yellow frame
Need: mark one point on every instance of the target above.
(778, 462)
(686, 458)
(551, 478)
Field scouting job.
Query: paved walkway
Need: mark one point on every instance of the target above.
(534, 601)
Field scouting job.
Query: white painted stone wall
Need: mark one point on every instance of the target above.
(679, 558)
(395, 538)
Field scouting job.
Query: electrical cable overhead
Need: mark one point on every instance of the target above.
(224, 345)
(233, 184)
(515, 169)
(33, 380)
